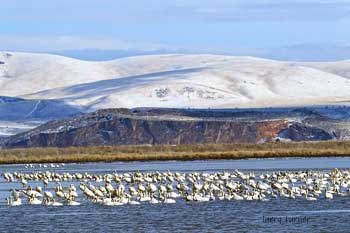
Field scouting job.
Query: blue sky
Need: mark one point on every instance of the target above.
(289, 30)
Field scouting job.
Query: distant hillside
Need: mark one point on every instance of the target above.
(43, 87)
(175, 80)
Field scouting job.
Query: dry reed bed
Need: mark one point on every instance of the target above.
(178, 152)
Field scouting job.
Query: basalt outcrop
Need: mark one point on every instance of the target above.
(174, 126)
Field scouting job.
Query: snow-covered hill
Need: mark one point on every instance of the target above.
(340, 68)
(196, 81)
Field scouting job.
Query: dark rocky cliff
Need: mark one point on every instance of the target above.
(169, 126)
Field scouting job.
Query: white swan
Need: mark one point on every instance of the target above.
(169, 201)
(12, 202)
(72, 203)
(237, 197)
(329, 195)
(34, 201)
(153, 201)
(55, 203)
(145, 198)
(309, 198)
(131, 202)
(108, 202)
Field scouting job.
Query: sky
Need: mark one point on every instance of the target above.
(104, 29)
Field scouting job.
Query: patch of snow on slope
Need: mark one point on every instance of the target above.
(8, 128)
(340, 68)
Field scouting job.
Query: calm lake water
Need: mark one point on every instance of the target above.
(275, 215)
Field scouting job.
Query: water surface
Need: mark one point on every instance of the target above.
(276, 215)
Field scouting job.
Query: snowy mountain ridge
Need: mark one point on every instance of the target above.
(174, 80)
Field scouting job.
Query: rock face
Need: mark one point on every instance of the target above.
(180, 126)
(299, 132)
(122, 127)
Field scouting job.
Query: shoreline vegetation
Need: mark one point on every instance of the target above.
(174, 152)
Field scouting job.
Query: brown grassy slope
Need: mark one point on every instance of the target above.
(178, 152)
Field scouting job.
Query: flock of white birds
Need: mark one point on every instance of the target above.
(115, 189)
(175, 80)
